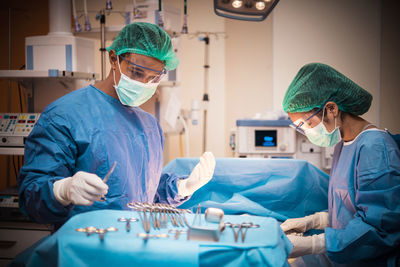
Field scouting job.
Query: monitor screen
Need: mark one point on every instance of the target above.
(265, 138)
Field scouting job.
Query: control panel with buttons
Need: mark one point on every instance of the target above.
(14, 127)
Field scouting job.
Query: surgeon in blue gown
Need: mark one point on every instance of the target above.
(79, 137)
(362, 224)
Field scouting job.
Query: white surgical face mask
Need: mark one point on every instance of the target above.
(320, 136)
(131, 92)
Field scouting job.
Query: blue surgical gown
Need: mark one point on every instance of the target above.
(87, 130)
(364, 200)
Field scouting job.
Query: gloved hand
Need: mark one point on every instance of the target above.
(81, 189)
(200, 175)
(318, 220)
(304, 245)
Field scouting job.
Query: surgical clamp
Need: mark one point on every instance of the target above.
(100, 231)
(240, 227)
(128, 221)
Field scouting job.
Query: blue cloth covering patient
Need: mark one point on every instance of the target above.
(278, 188)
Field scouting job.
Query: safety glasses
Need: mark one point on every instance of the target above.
(143, 74)
(300, 124)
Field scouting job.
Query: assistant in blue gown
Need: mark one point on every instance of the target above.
(364, 200)
(87, 130)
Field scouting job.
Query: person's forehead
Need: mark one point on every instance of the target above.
(146, 61)
(297, 115)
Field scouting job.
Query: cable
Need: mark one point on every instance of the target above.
(20, 98)
(20, 92)
(15, 168)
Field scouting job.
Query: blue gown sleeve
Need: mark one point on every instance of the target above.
(167, 191)
(375, 228)
(49, 156)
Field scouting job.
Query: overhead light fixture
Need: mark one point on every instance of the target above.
(260, 5)
(237, 3)
(250, 10)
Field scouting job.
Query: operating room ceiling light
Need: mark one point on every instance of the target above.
(237, 4)
(250, 10)
(260, 5)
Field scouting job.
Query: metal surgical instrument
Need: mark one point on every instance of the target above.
(128, 221)
(198, 214)
(145, 220)
(176, 232)
(100, 231)
(159, 214)
(240, 227)
(110, 171)
(105, 179)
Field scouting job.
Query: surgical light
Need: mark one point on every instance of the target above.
(250, 10)
(260, 5)
(237, 3)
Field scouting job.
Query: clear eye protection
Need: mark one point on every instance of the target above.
(301, 125)
(143, 74)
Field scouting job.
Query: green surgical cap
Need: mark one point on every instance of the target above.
(316, 83)
(145, 39)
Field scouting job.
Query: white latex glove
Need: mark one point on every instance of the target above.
(319, 220)
(81, 189)
(200, 175)
(304, 245)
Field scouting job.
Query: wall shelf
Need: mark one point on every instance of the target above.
(50, 74)
(11, 150)
(59, 81)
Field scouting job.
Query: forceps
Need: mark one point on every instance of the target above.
(105, 179)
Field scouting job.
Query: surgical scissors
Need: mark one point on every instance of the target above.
(110, 171)
(105, 179)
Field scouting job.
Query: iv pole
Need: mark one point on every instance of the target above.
(206, 98)
(103, 43)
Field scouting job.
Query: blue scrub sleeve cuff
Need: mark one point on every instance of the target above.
(59, 213)
(167, 191)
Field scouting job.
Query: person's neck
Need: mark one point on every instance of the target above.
(352, 127)
(107, 86)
